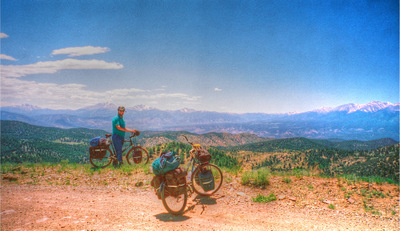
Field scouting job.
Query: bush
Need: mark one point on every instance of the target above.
(258, 177)
(263, 199)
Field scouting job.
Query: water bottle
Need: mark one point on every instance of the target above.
(189, 175)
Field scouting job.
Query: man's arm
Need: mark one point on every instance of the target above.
(125, 129)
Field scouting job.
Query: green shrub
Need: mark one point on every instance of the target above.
(262, 199)
(287, 180)
(258, 177)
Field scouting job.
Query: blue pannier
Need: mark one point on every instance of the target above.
(95, 141)
(165, 163)
(99, 141)
(206, 179)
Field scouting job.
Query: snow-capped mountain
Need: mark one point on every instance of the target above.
(141, 107)
(373, 106)
(107, 105)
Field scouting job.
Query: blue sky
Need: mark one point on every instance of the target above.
(226, 56)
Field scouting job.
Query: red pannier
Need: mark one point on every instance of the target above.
(137, 156)
(98, 152)
(176, 181)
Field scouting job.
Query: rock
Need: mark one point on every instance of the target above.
(42, 220)
(326, 202)
(241, 194)
(10, 178)
(351, 200)
(292, 198)
(281, 197)
(139, 184)
(8, 212)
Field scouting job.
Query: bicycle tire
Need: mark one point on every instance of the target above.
(217, 179)
(175, 205)
(102, 162)
(145, 155)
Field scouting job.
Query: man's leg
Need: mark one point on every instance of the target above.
(118, 142)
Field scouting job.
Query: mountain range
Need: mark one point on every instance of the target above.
(374, 120)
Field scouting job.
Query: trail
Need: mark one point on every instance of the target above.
(38, 207)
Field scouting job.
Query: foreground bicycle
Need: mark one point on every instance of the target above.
(101, 156)
(204, 178)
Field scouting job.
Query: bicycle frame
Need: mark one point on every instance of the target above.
(193, 162)
(131, 140)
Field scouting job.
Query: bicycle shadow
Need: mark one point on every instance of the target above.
(203, 201)
(167, 217)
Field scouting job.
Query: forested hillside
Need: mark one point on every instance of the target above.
(382, 162)
(21, 142)
(302, 144)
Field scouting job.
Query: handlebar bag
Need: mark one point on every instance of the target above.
(203, 155)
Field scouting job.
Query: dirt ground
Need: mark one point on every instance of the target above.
(109, 207)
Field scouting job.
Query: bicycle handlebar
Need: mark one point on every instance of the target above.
(187, 140)
(136, 133)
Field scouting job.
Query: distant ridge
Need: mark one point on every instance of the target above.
(375, 120)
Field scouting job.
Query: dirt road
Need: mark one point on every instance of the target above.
(35, 207)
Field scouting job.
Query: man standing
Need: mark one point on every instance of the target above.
(118, 124)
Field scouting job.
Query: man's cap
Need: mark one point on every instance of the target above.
(121, 108)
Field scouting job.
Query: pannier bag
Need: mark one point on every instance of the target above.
(156, 182)
(137, 156)
(98, 152)
(203, 155)
(165, 163)
(176, 181)
(206, 179)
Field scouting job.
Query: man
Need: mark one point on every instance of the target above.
(119, 129)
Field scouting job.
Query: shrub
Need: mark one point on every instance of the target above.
(262, 199)
(287, 180)
(258, 177)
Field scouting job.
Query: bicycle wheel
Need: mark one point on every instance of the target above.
(137, 155)
(174, 204)
(206, 179)
(100, 158)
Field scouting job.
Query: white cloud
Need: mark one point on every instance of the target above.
(75, 96)
(217, 89)
(6, 57)
(54, 66)
(2, 35)
(47, 94)
(79, 51)
(16, 91)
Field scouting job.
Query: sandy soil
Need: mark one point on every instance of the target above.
(51, 207)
